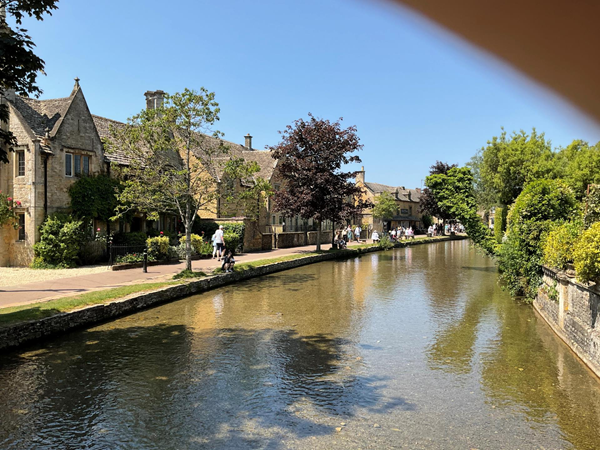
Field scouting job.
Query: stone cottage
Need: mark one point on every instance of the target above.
(407, 202)
(58, 141)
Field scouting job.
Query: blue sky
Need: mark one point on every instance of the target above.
(416, 93)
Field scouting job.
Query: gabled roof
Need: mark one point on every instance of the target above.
(403, 194)
(42, 114)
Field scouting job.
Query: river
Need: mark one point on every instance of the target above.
(415, 348)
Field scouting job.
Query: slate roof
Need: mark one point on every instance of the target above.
(42, 114)
(103, 127)
(376, 188)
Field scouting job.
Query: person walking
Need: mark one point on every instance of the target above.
(349, 234)
(357, 231)
(219, 241)
(214, 244)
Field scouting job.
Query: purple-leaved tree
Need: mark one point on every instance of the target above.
(311, 157)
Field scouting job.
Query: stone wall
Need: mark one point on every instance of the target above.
(571, 309)
(325, 237)
(287, 240)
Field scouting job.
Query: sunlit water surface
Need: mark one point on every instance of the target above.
(411, 348)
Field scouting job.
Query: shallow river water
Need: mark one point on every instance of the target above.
(412, 348)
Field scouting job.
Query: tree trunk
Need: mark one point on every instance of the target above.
(318, 235)
(188, 237)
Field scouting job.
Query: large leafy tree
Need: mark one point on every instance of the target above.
(311, 157)
(429, 204)
(385, 206)
(174, 162)
(579, 165)
(455, 197)
(508, 163)
(19, 65)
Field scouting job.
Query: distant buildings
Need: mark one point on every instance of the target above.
(407, 202)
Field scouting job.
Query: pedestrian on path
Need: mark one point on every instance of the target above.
(214, 244)
(219, 241)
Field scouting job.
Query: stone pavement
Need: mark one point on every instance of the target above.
(46, 290)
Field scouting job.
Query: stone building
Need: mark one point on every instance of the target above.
(407, 202)
(58, 141)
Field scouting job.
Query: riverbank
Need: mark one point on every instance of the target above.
(13, 334)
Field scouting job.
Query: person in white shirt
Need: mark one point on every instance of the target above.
(375, 236)
(219, 241)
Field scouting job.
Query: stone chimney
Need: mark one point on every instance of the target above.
(360, 175)
(248, 141)
(408, 194)
(154, 99)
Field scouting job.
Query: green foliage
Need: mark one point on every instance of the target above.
(507, 164)
(592, 206)
(20, 65)
(579, 165)
(237, 228)
(158, 247)
(427, 221)
(385, 206)
(185, 274)
(558, 245)
(385, 242)
(61, 237)
(197, 243)
(500, 223)
(132, 258)
(586, 255)
(454, 195)
(94, 197)
(7, 210)
(232, 241)
(137, 238)
(532, 216)
(172, 159)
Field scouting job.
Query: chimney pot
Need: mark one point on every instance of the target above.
(154, 99)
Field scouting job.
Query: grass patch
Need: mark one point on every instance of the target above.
(265, 262)
(16, 314)
(185, 274)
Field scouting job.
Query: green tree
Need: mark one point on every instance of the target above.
(174, 164)
(507, 164)
(455, 197)
(579, 166)
(500, 223)
(20, 65)
(542, 205)
(385, 206)
(242, 190)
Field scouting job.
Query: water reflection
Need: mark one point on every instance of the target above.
(415, 348)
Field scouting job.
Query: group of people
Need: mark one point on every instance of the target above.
(397, 234)
(439, 230)
(218, 242)
(346, 235)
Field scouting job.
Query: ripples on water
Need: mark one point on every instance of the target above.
(412, 348)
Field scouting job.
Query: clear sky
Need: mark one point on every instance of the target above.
(416, 93)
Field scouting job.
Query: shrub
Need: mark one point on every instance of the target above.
(235, 228)
(7, 210)
(592, 206)
(558, 245)
(427, 221)
(158, 247)
(61, 237)
(232, 241)
(180, 251)
(130, 258)
(586, 254)
(197, 242)
(500, 223)
(385, 242)
(540, 204)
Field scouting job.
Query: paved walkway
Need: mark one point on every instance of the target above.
(47, 290)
